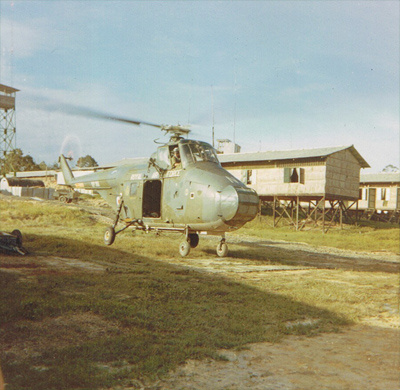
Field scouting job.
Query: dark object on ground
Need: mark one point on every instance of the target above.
(66, 196)
(12, 242)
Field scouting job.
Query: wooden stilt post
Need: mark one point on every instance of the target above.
(341, 214)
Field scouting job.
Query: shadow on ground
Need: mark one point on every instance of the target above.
(107, 317)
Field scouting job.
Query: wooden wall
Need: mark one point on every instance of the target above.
(337, 176)
(343, 175)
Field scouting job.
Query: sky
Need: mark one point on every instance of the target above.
(269, 75)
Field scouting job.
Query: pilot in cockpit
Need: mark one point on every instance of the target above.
(176, 159)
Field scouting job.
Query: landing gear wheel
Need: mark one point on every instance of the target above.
(193, 240)
(222, 249)
(184, 248)
(109, 235)
(17, 234)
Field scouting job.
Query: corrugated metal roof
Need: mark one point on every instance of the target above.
(290, 155)
(18, 182)
(32, 174)
(380, 177)
(7, 89)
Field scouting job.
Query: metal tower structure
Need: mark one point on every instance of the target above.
(7, 119)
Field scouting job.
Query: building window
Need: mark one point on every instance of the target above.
(294, 175)
(249, 176)
(383, 193)
(364, 193)
(133, 189)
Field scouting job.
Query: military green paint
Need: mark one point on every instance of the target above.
(201, 196)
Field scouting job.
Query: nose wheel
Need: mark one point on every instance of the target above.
(222, 248)
(184, 248)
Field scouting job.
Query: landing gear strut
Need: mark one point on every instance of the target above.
(110, 233)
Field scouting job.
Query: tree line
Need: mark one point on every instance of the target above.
(16, 161)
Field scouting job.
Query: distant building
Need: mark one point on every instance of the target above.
(332, 173)
(25, 187)
(227, 146)
(324, 178)
(380, 196)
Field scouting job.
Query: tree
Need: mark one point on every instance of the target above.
(15, 161)
(390, 169)
(86, 162)
(48, 167)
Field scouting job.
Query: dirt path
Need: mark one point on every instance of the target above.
(363, 357)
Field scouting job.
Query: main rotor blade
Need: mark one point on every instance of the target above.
(87, 112)
(72, 109)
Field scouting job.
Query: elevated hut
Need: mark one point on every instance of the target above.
(380, 196)
(301, 183)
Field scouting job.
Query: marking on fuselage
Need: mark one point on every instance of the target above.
(137, 176)
(173, 173)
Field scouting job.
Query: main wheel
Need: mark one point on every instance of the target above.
(193, 240)
(109, 235)
(184, 248)
(222, 249)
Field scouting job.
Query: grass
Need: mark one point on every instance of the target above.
(143, 316)
(367, 236)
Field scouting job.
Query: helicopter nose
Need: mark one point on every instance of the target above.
(229, 202)
(238, 205)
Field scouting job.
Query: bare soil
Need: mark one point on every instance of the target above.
(364, 356)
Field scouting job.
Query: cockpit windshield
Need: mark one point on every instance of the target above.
(194, 152)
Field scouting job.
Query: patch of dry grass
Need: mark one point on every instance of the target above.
(371, 236)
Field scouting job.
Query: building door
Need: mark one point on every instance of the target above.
(398, 199)
(133, 196)
(371, 198)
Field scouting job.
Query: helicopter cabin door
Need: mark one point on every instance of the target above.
(133, 198)
(152, 190)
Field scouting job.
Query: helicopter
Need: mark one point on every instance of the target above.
(181, 188)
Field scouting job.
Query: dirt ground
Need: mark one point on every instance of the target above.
(364, 356)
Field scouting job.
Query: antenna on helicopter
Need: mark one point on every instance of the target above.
(212, 107)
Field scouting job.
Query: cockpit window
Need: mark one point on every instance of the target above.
(194, 152)
(163, 157)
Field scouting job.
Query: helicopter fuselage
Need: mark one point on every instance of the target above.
(196, 196)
